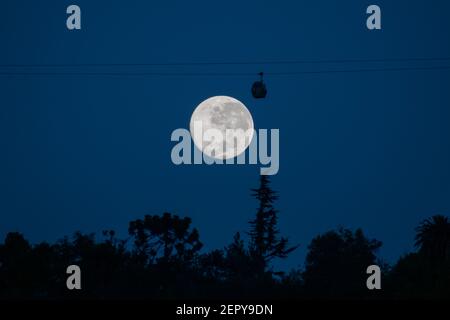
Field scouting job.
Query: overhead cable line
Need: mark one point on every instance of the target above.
(219, 74)
(219, 63)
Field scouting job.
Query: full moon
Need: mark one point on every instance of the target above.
(227, 115)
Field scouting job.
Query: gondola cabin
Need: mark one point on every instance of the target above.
(259, 90)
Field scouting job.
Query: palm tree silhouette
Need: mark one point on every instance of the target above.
(433, 238)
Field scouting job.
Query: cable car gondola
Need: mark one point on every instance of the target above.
(259, 90)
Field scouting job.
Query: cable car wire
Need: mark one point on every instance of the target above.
(219, 74)
(225, 63)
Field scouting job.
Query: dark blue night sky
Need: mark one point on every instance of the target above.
(367, 149)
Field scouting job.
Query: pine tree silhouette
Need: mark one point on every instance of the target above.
(265, 242)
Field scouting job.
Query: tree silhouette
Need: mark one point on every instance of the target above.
(238, 262)
(212, 266)
(336, 263)
(14, 261)
(426, 273)
(265, 242)
(433, 238)
(165, 262)
(164, 239)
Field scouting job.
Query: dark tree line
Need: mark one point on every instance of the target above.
(162, 258)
